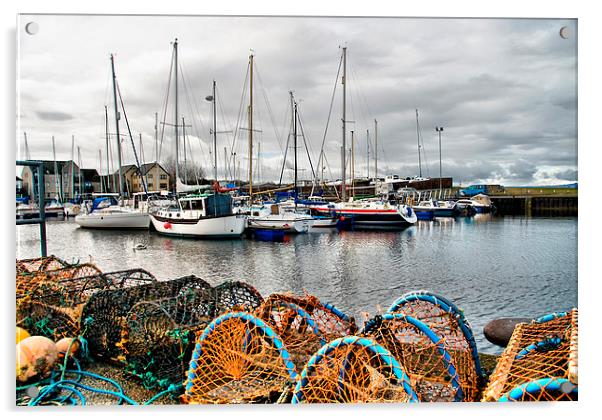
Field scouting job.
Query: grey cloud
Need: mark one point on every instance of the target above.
(54, 116)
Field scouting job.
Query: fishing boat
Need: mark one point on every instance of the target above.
(104, 212)
(207, 215)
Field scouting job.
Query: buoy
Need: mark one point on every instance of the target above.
(36, 356)
(167, 225)
(21, 334)
(500, 330)
(62, 346)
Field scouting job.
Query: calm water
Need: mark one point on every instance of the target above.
(489, 266)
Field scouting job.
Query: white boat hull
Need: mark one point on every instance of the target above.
(113, 220)
(211, 227)
(289, 225)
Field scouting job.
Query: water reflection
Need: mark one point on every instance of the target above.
(490, 266)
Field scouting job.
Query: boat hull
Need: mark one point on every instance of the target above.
(116, 220)
(371, 219)
(286, 225)
(229, 226)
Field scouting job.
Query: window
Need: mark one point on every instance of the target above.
(150, 185)
(163, 176)
(163, 186)
(150, 176)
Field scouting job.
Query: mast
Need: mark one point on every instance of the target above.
(79, 159)
(175, 48)
(375, 148)
(251, 125)
(156, 137)
(117, 117)
(215, 136)
(225, 164)
(352, 165)
(100, 160)
(295, 147)
(56, 170)
(344, 82)
(368, 152)
(27, 155)
(418, 139)
(184, 141)
(72, 159)
(107, 146)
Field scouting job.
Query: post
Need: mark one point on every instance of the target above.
(439, 130)
(117, 117)
(344, 83)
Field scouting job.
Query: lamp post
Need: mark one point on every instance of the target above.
(439, 130)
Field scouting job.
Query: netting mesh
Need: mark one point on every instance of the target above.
(331, 322)
(236, 295)
(350, 370)
(158, 336)
(106, 311)
(421, 353)
(39, 264)
(53, 308)
(540, 357)
(448, 322)
(238, 358)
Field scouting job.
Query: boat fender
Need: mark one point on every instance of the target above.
(167, 225)
(409, 211)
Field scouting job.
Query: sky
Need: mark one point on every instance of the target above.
(504, 90)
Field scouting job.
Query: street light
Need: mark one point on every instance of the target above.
(439, 130)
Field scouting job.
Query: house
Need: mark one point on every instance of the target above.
(67, 183)
(156, 177)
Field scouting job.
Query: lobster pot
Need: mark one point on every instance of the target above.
(421, 353)
(352, 370)
(237, 296)
(40, 264)
(297, 329)
(331, 322)
(447, 321)
(158, 336)
(238, 359)
(106, 311)
(26, 282)
(539, 363)
(53, 308)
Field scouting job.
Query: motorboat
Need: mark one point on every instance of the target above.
(280, 217)
(207, 215)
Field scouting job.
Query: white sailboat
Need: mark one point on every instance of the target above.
(106, 211)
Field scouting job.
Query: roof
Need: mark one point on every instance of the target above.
(144, 168)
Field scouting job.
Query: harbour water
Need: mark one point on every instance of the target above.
(489, 266)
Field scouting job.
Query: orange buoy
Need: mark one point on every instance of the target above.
(36, 356)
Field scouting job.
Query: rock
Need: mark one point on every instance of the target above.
(500, 330)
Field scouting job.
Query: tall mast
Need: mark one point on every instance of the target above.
(344, 82)
(175, 48)
(251, 125)
(72, 159)
(352, 165)
(418, 139)
(225, 164)
(56, 171)
(215, 135)
(156, 137)
(368, 152)
(375, 148)
(100, 160)
(184, 142)
(295, 147)
(107, 145)
(117, 117)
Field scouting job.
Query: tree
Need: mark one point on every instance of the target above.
(195, 175)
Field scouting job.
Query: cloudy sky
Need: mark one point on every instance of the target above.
(505, 91)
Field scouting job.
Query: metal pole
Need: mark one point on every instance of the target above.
(352, 165)
(117, 117)
(214, 134)
(100, 159)
(375, 149)
(184, 141)
(418, 140)
(42, 193)
(295, 146)
(344, 82)
(368, 152)
(251, 125)
(439, 130)
(107, 147)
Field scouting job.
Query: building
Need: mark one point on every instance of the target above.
(68, 183)
(156, 177)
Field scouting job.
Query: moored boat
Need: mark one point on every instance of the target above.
(371, 214)
(106, 213)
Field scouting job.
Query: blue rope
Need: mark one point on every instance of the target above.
(536, 387)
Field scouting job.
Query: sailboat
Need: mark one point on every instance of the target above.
(277, 217)
(205, 215)
(106, 211)
(374, 213)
